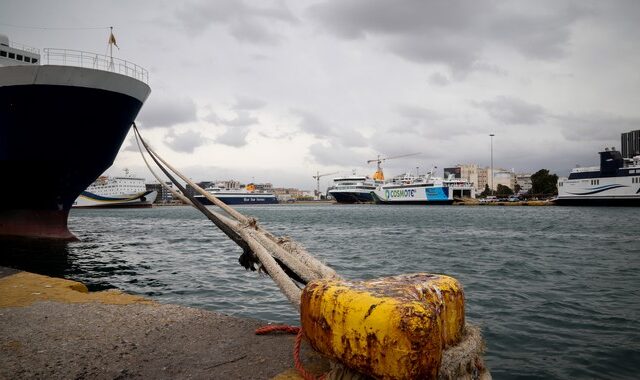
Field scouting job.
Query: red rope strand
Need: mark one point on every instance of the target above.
(296, 347)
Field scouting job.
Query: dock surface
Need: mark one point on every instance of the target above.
(53, 328)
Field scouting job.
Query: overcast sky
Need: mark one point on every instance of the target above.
(274, 91)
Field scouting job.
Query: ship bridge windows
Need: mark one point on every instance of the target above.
(3, 53)
(12, 55)
(595, 182)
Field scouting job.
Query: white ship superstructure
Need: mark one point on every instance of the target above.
(249, 194)
(616, 182)
(423, 189)
(116, 192)
(353, 189)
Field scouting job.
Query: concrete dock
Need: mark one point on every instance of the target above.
(52, 328)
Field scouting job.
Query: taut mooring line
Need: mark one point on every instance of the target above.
(246, 235)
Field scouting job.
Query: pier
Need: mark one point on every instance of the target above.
(55, 328)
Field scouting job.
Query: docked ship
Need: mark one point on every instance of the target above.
(116, 192)
(616, 182)
(238, 196)
(423, 189)
(353, 189)
(63, 117)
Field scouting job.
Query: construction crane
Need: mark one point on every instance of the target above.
(379, 175)
(317, 178)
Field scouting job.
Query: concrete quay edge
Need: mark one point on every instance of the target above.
(54, 328)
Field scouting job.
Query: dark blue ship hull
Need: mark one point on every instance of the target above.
(240, 200)
(55, 140)
(352, 197)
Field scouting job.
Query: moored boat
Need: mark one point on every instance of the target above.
(422, 189)
(353, 189)
(238, 196)
(116, 192)
(616, 182)
(52, 107)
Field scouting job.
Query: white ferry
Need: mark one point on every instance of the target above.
(616, 182)
(353, 189)
(422, 189)
(238, 196)
(116, 192)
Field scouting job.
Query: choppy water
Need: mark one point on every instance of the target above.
(556, 290)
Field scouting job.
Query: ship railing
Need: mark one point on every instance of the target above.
(22, 47)
(94, 61)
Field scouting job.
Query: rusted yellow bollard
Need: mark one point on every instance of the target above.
(394, 327)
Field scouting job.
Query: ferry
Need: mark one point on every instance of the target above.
(353, 189)
(112, 192)
(238, 196)
(616, 182)
(63, 117)
(423, 189)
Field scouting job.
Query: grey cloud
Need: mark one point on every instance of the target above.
(167, 112)
(594, 127)
(336, 154)
(513, 111)
(245, 22)
(242, 119)
(539, 33)
(489, 68)
(234, 136)
(452, 32)
(247, 103)
(185, 142)
(312, 124)
(131, 145)
(417, 113)
(351, 138)
(438, 79)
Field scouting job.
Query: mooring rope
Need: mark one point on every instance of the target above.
(281, 264)
(296, 347)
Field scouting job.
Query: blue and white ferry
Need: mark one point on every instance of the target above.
(422, 189)
(238, 196)
(616, 182)
(353, 189)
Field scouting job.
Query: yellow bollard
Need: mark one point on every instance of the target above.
(390, 328)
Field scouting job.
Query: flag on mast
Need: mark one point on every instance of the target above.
(112, 39)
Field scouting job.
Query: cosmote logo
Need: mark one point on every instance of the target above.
(407, 193)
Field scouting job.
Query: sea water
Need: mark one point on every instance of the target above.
(556, 290)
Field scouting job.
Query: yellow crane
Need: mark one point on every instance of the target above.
(379, 175)
(317, 178)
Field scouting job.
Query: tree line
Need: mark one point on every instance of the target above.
(543, 184)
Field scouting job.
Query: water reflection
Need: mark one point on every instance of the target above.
(42, 256)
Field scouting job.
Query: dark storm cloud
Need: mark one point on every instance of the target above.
(185, 142)
(509, 110)
(454, 32)
(167, 112)
(245, 22)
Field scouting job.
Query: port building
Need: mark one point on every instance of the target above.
(630, 143)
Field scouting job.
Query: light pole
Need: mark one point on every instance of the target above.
(491, 135)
